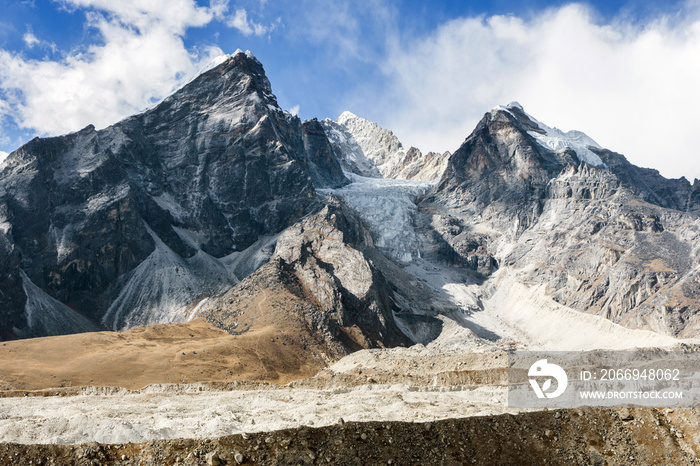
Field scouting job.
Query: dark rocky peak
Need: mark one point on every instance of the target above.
(509, 147)
(517, 111)
(501, 146)
(504, 170)
(239, 75)
(512, 164)
(166, 193)
(647, 183)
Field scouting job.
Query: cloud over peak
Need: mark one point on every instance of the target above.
(141, 57)
(632, 87)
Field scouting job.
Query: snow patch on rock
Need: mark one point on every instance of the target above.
(557, 140)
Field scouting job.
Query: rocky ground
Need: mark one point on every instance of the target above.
(418, 405)
(573, 437)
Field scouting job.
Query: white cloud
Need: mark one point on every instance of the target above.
(173, 15)
(247, 27)
(294, 110)
(3, 155)
(30, 39)
(633, 88)
(141, 57)
(218, 8)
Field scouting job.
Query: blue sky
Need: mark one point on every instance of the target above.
(626, 73)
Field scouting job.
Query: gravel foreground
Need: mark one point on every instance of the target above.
(625, 436)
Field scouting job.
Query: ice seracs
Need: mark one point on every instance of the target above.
(388, 207)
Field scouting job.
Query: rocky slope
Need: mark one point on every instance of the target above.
(574, 437)
(611, 238)
(344, 292)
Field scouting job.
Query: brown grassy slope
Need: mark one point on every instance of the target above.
(273, 345)
(268, 328)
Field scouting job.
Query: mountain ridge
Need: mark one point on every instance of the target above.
(165, 214)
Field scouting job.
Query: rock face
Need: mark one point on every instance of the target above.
(350, 155)
(613, 239)
(326, 262)
(333, 256)
(91, 217)
(324, 166)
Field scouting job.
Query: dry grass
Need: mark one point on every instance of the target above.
(170, 353)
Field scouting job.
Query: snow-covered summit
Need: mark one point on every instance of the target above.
(347, 115)
(367, 149)
(513, 105)
(379, 145)
(556, 140)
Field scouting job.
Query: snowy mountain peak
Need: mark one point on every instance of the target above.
(346, 115)
(367, 149)
(223, 58)
(250, 56)
(378, 144)
(554, 139)
(514, 105)
(247, 53)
